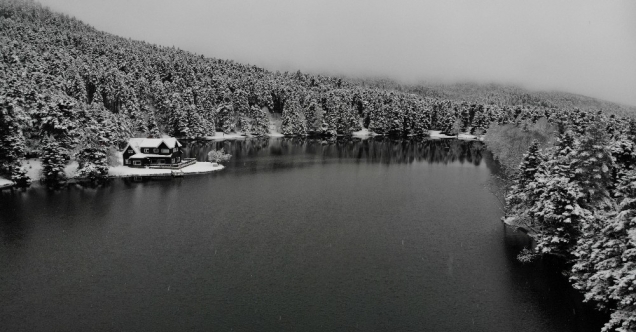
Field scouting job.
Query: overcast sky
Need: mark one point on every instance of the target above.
(580, 46)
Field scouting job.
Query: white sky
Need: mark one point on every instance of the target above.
(580, 46)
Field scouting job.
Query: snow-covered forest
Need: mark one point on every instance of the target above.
(577, 198)
(71, 93)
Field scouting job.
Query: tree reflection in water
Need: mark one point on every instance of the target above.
(374, 150)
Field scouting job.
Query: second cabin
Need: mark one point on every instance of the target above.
(142, 152)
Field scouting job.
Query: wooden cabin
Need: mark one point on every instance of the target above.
(142, 152)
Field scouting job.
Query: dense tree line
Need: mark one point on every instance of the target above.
(577, 199)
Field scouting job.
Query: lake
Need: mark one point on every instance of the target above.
(294, 235)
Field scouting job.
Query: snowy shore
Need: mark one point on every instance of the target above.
(198, 168)
(363, 133)
(5, 183)
(434, 134)
(463, 136)
(34, 170)
(219, 136)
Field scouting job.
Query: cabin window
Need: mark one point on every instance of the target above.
(165, 150)
(130, 151)
(172, 160)
(153, 161)
(161, 161)
(146, 150)
(178, 159)
(137, 162)
(155, 150)
(128, 162)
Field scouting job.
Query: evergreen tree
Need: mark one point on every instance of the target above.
(152, 127)
(53, 158)
(555, 214)
(521, 195)
(292, 123)
(313, 114)
(530, 164)
(12, 141)
(19, 175)
(545, 199)
(226, 118)
(92, 163)
(605, 258)
(593, 164)
(260, 121)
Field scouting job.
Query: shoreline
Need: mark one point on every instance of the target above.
(362, 134)
(122, 172)
(5, 183)
(198, 168)
(34, 165)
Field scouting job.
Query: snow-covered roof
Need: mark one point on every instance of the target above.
(134, 143)
(138, 143)
(171, 142)
(145, 155)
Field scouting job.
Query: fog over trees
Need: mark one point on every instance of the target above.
(584, 47)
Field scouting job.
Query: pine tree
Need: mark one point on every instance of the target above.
(153, 128)
(12, 141)
(605, 258)
(555, 214)
(546, 200)
(226, 118)
(292, 123)
(53, 161)
(260, 121)
(521, 195)
(92, 163)
(244, 125)
(530, 164)
(313, 114)
(593, 164)
(19, 175)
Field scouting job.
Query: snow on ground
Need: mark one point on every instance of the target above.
(432, 133)
(273, 133)
(5, 182)
(34, 168)
(463, 136)
(202, 167)
(438, 134)
(363, 133)
(199, 167)
(469, 137)
(219, 135)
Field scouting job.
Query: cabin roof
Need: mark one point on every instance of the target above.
(137, 143)
(171, 142)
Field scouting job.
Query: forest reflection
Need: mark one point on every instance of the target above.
(374, 150)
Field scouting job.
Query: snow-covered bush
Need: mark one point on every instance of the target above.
(92, 163)
(218, 156)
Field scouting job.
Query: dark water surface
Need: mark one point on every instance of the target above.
(294, 235)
